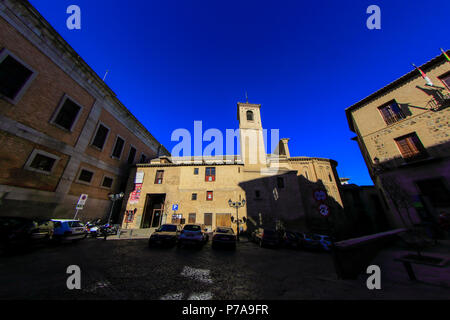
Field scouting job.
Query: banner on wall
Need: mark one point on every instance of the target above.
(136, 194)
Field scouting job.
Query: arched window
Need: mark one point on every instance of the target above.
(249, 115)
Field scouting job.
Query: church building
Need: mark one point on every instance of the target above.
(276, 187)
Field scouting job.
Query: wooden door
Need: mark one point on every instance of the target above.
(223, 219)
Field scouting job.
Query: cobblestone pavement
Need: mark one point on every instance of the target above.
(128, 269)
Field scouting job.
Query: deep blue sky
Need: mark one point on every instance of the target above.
(173, 62)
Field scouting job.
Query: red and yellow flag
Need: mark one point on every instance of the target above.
(445, 55)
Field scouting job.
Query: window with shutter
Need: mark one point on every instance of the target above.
(159, 177)
(391, 112)
(446, 80)
(210, 174)
(410, 147)
(209, 196)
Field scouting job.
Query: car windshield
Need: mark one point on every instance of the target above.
(326, 238)
(192, 227)
(316, 237)
(168, 228)
(75, 224)
(224, 230)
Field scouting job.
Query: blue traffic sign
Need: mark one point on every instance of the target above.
(175, 207)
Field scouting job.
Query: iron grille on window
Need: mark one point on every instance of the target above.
(392, 113)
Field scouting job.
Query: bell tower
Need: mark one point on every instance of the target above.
(253, 151)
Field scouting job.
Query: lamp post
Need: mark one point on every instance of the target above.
(237, 205)
(114, 197)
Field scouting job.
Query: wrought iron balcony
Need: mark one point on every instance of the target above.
(439, 102)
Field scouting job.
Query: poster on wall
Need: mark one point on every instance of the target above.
(139, 177)
(136, 194)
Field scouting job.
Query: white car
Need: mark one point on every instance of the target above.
(71, 230)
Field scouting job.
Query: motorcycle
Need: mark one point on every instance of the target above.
(108, 230)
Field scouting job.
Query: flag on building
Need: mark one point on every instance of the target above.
(445, 55)
(424, 75)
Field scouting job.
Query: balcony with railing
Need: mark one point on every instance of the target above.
(439, 101)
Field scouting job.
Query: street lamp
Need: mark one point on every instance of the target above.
(237, 205)
(114, 197)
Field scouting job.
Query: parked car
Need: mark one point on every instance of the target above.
(192, 234)
(266, 237)
(70, 230)
(291, 239)
(16, 232)
(315, 241)
(167, 234)
(225, 237)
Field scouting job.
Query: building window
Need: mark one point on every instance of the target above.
(194, 196)
(249, 115)
(209, 195)
(66, 114)
(100, 136)
(118, 147)
(210, 174)
(280, 182)
(446, 80)
(435, 190)
(107, 182)
(410, 147)
(143, 158)
(207, 221)
(196, 171)
(191, 217)
(329, 177)
(391, 112)
(159, 177)
(257, 194)
(15, 77)
(131, 155)
(41, 161)
(85, 176)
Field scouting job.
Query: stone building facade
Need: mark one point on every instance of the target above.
(403, 131)
(63, 132)
(276, 187)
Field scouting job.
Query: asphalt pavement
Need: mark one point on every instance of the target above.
(128, 269)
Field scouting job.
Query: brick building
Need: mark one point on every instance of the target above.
(63, 132)
(276, 186)
(403, 131)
